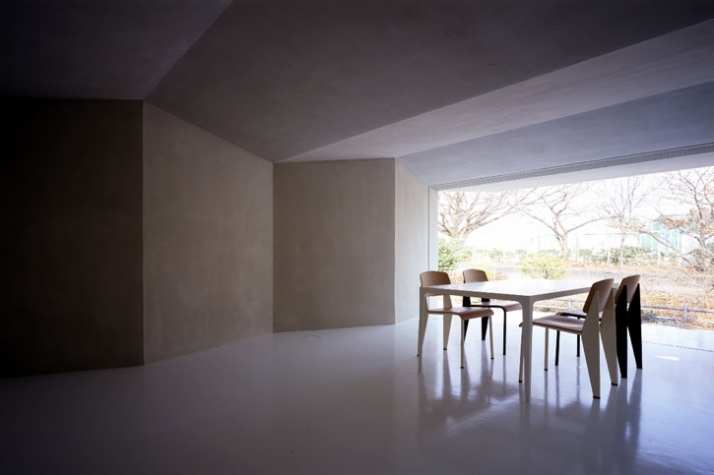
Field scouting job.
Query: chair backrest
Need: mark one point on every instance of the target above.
(475, 275)
(630, 282)
(604, 288)
(434, 277)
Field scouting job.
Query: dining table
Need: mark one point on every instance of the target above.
(525, 291)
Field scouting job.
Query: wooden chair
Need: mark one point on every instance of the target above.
(448, 311)
(580, 314)
(592, 329)
(623, 321)
(478, 275)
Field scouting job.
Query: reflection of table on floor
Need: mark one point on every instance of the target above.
(527, 292)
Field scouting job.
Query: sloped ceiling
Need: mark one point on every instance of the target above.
(461, 92)
(101, 49)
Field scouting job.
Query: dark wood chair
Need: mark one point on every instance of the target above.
(478, 275)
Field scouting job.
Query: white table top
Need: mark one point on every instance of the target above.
(530, 290)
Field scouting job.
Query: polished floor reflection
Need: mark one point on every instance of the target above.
(352, 402)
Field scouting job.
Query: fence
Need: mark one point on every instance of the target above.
(660, 281)
(685, 320)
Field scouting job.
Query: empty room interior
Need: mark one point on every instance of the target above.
(216, 212)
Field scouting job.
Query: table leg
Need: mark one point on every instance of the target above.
(527, 341)
(422, 327)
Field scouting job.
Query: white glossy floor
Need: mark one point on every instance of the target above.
(351, 402)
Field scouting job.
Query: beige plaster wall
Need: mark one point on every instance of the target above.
(208, 239)
(334, 244)
(71, 240)
(411, 241)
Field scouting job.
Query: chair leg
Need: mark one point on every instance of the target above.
(557, 347)
(490, 334)
(447, 329)
(578, 348)
(609, 340)
(591, 347)
(484, 321)
(504, 333)
(545, 363)
(463, 338)
(621, 332)
(520, 366)
(634, 324)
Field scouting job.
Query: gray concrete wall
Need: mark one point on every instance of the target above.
(71, 207)
(411, 241)
(208, 239)
(334, 244)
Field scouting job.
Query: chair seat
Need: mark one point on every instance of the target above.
(506, 305)
(573, 313)
(464, 312)
(560, 323)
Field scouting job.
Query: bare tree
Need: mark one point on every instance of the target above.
(619, 203)
(693, 190)
(461, 213)
(560, 209)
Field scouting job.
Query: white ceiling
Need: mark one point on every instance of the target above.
(489, 93)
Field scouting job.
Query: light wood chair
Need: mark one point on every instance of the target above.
(430, 278)
(627, 319)
(478, 275)
(580, 314)
(599, 323)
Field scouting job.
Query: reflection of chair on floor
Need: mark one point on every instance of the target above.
(477, 275)
(447, 310)
(619, 434)
(628, 317)
(591, 328)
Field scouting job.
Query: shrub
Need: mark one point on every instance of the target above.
(451, 253)
(631, 255)
(543, 265)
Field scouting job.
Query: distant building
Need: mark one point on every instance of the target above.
(672, 236)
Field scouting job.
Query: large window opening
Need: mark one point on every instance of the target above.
(660, 226)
